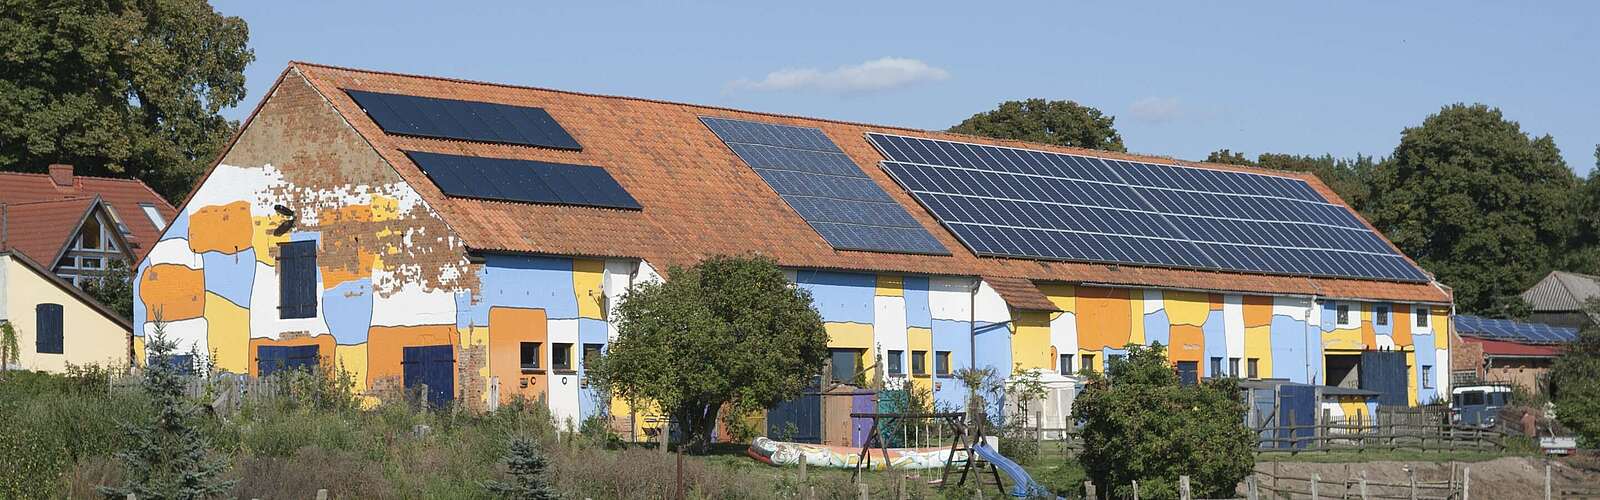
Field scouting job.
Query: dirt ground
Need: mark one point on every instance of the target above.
(1501, 478)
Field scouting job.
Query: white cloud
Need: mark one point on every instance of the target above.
(878, 74)
(1155, 109)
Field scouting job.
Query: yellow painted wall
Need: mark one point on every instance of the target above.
(88, 337)
(586, 277)
(920, 339)
(842, 335)
(228, 334)
(1030, 345)
(891, 285)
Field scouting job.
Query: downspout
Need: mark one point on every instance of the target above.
(972, 324)
(1305, 340)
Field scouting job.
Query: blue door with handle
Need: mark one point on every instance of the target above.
(433, 366)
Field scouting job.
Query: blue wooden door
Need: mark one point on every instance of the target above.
(1385, 372)
(799, 419)
(1297, 407)
(434, 366)
(272, 359)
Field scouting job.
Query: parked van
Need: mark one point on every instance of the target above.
(1478, 404)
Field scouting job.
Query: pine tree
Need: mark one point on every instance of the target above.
(167, 457)
(527, 467)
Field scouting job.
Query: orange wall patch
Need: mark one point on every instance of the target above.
(172, 292)
(1188, 343)
(1104, 317)
(1402, 324)
(221, 228)
(509, 327)
(1257, 310)
(386, 347)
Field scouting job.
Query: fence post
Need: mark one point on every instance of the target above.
(1136, 489)
(1315, 478)
(862, 492)
(1547, 481)
(1250, 492)
(1412, 475)
(902, 494)
(802, 469)
(1088, 490)
(1276, 470)
(322, 494)
(1363, 485)
(1466, 483)
(1183, 488)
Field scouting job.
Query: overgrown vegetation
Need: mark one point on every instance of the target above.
(167, 456)
(730, 331)
(114, 288)
(1575, 384)
(1141, 424)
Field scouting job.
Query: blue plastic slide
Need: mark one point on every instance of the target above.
(1022, 485)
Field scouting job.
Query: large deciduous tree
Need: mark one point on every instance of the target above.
(1476, 201)
(1575, 383)
(1347, 177)
(728, 331)
(1063, 123)
(121, 88)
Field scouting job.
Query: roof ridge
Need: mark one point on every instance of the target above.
(56, 200)
(1081, 150)
(79, 176)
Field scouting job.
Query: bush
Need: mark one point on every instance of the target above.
(1575, 385)
(1140, 424)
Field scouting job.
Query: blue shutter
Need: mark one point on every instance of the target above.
(297, 280)
(47, 323)
(271, 359)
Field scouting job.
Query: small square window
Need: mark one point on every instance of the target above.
(1253, 365)
(1341, 314)
(1380, 315)
(895, 364)
(1422, 317)
(531, 355)
(941, 363)
(591, 352)
(1427, 376)
(919, 362)
(1064, 365)
(1233, 367)
(561, 356)
(1216, 367)
(1088, 361)
(89, 263)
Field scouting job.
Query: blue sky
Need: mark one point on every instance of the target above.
(1182, 78)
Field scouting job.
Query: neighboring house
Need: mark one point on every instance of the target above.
(473, 237)
(79, 225)
(56, 323)
(1507, 352)
(56, 231)
(1561, 299)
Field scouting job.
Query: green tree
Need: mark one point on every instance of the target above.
(1229, 157)
(1575, 383)
(728, 331)
(1347, 177)
(1063, 123)
(1141, 424)
(128, 89)
(1583, 254)
(168, 457)
(1477, 201)
(527, 467)
(114, 288)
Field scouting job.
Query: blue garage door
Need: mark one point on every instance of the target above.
(798, 420)
(1385, 372)
(434, 366)
(272, 359)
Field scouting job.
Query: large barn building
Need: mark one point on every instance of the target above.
(471, 237)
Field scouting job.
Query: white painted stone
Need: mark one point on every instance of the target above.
(264, 321)
(1233, 325)
(1152, 301)
(1064, 336)
(889, 328)
(410, 304)
(991, 307)
(950, 298)
(563, 387)
(188, 335)
(174, 251)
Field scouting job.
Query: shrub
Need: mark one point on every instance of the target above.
(1140, 424)
(527, 467)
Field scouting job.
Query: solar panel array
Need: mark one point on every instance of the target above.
(523, 180)
(1010, 202)
(464, 120)
(825, 187)
(1513, 331)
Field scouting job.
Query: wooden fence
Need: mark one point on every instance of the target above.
(1394, 436)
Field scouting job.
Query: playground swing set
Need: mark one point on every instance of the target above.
(979, 459)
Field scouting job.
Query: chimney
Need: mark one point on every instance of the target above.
(61, 174)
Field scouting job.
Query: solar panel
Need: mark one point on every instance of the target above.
(825, 187)
(523, 180)
(465, 120)
(1513, 331)
(1010, 202)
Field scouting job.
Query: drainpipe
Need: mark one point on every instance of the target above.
(972, 324)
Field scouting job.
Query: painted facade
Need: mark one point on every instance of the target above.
(91, 335)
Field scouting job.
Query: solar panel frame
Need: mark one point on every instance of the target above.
(1513, 331)
(1247, 222)
(825, 187)
(442, 118)
(523, 181)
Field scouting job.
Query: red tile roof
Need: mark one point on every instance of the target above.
(1504, 348)
(124, 196)
(41, 229)
(700, 199)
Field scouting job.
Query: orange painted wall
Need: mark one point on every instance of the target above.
(1104, 317)
(1188, 343)
(1369, 336)
(221, 228)
(173, 292)
(1257, 310)
(325, 350)
(1402, 324)
(509, 327)
(386, 347)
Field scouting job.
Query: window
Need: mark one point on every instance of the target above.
(1422, 317)
(1188, 373)
(47, 323)
(1380, 315)
(1472, 398)
(1233, 367)
(89, 234)
(531, 355)
(1253, 366)
(297, 280)
(1088, 361)
(896, 365)
(591, 352)
(844, 364)
(561, 356)
(1427, 376)
(1341, 316)
(154, 215)
(941, 363)
(919, 362)
(1065, 366)
(90, 263)
(1216, 367)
